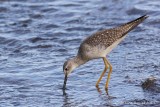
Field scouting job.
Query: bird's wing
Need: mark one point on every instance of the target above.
(125, 28)
(109, 36)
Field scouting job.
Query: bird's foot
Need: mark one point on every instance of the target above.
(98, 89)
(106, 89)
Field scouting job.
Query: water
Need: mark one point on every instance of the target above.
(37, 36)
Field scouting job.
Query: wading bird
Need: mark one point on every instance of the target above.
(99, 45)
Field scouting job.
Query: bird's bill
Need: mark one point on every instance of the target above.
(65, 81)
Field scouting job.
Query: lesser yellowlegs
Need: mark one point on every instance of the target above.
(99, 45)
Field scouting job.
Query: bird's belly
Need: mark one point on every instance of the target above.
(95, 53)
(92, 52)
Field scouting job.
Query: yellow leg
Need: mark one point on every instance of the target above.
(105, 69)
(109, 73)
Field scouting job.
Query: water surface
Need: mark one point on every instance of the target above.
(36, 37)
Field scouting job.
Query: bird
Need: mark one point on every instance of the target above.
(99, 45)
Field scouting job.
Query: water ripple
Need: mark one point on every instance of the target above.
(36, 37)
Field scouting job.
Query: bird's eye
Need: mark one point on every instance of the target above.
(66, 69)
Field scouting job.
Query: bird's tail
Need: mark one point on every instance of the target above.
(125, 28)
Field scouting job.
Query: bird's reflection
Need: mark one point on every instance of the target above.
(105, 95)
(67, 102)
(102, 94)
(106, 91)
(65, 98)
(64, 92)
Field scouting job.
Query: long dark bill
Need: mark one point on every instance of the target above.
(65, 81)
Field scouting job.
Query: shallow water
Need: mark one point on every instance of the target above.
(36, 37)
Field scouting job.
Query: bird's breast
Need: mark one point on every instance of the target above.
(91, 52)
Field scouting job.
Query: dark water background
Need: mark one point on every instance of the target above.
(37, 36)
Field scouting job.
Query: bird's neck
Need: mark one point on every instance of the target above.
(79, 61)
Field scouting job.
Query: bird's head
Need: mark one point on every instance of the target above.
(69, 66)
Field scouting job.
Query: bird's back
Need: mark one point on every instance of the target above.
(97, 44)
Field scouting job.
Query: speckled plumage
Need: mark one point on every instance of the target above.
(96, 45)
